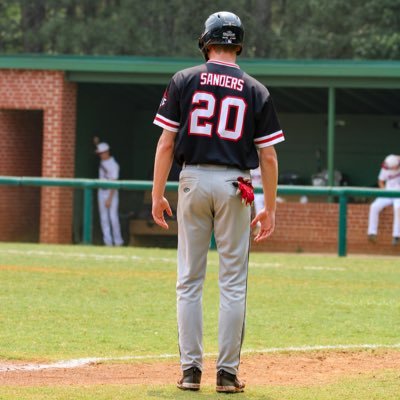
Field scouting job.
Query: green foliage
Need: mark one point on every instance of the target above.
(364, 29)
(10, 34)
(378, 34)
(318, 29)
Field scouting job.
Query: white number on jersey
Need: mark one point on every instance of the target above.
(205, 107)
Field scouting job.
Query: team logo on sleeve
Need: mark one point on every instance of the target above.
(164, 99)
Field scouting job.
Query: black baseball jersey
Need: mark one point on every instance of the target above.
(221, 116)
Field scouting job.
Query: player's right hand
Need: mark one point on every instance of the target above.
(157, 211)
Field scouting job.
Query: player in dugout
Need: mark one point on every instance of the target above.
(388, 178)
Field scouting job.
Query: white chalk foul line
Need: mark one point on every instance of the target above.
(115, 257)
(314, 268)
(81, 362)
(111, 257)
(121, 257)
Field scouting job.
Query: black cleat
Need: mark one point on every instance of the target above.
(372, 238)
(190, 380)
(395, 241)
(228, 383)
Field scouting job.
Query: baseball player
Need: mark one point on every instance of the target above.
(389, 178)
(108, 199)
(214, 118)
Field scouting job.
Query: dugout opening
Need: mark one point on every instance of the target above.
(21, 136)
(122, 116)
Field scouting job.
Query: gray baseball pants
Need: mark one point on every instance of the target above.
(208, 201)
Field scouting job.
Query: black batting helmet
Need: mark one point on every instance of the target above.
(224, 28)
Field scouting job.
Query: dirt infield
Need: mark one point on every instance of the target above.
(302, 369)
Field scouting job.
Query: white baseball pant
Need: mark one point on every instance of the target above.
(376, 207)
(109, 219)
(208, 201)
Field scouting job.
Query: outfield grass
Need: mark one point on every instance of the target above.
(66, 302)
(373, 387)
(377, 386)
(63, 302)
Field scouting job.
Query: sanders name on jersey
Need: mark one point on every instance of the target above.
(221, 80)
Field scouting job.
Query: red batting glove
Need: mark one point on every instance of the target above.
(245, 190)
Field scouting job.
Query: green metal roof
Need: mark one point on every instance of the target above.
(282, 73)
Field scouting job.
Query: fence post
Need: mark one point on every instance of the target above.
(87, 215)
(342, 229)
(331, 136)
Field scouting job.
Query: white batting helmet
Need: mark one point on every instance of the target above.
(392, 161)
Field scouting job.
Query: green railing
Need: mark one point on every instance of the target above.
(88, 185)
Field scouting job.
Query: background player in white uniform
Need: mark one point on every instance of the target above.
(214, 118)
(108, 199)
(389, 178)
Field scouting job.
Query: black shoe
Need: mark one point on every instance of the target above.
(372, 238)
(190, 380)
(228, 383)
(395, 241)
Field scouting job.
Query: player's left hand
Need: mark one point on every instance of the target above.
(108, 203)
(267, 221)
(158, 208)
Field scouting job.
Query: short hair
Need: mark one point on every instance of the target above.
(224, 48)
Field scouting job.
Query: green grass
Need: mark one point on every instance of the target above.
(63, 302)
(66, 306)
(383, 386)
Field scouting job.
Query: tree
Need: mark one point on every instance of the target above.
(33, 15)
(341, 29)
(10, 32)
(362, 29)
(378, 34)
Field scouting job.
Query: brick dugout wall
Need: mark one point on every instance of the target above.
(313, 227)
(49, 92)
(20, 155)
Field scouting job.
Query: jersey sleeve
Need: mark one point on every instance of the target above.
(383, 175)
(268, 131)
(115, 171)
(168, 114)
(112, 170)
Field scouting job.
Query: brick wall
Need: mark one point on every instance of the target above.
(49, 92)
(313, 227)
(20, 155)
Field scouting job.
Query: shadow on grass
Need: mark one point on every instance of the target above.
(206, 393)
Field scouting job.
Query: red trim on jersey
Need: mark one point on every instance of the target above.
(166, 121)
(223, 63)
(269, 138)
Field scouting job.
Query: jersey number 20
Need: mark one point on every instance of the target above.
(204, 109)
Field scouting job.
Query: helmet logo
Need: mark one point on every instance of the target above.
(229, 36)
